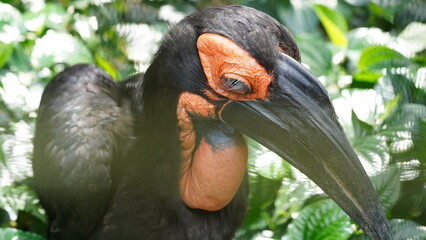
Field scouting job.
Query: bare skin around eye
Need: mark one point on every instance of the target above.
(221, 56)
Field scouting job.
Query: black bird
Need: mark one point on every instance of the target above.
(162, 155)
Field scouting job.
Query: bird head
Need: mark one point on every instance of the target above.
(236, 71)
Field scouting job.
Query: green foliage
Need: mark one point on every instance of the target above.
(371, 56)
(402, 230)
(14, 234)
(334, 23)
(321, 220)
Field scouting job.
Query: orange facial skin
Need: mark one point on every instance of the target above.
(211, 175)
(220, 57)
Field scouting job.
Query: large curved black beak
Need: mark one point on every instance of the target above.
(298, 123)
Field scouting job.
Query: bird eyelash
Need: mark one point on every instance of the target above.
(235, 85)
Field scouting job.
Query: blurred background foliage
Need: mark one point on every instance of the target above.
(370, 54)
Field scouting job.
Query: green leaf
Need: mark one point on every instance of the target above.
(15, 234)
(20, 198)
(373, 153)
(263, 191)
(418, 135)
(19, 61)
(405, 229)
(366, 77)
(379, 57)
(402, 230)
(414, 36)
(316, 54)
(334, 24)
(5, 53)
(300, 20)
(361, 129)
(107, 66)
(271, 166)
(388, 187)
(322, 220)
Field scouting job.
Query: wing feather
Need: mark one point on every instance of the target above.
(81, 127)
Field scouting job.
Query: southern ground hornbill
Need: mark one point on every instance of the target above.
(162, 155)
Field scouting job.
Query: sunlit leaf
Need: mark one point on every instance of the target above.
(316, 54)
(388, 187)
(17, 149)
(270, 165)
(379, 57)
(334, 24)
(14, 234)
(368, 78)
(262, 190)
(414, 36)
(373, 153)
(321, 220)
(19, 61)
(402, 230)
(361, 128)
(20, 198)
(108, 67)
(5, 53)
(300, 19)
(406, 88)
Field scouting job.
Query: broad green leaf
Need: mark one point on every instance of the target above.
(368, 77)
(379, 57)
(407, 230)
(410, 90)
(262, 190)
(414, 36)
(334, 24)
(418, 134)
(5, 53)
(390, 107)
(409, 11)
(19, 61)
(388, 187)
(316, 54)
(381, 12)
(108, 67)
(373, 153)
(321, 220)
(402, 230)
(271, 166)
(361, 128)
(14, 234)
(300, 19)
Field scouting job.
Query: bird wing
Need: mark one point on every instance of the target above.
(82, 127)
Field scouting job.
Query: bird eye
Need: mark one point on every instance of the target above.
(234, 85)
